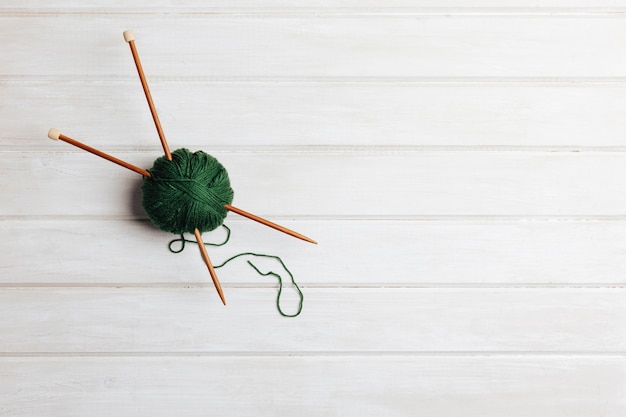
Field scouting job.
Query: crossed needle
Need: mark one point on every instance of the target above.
(129, 37)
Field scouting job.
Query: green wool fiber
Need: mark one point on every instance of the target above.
(186, 193)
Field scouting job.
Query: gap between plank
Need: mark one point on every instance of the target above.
(23, 148)
(287, 12)
(301, 80)
(326, 286)
(462, 219)
(249, 354)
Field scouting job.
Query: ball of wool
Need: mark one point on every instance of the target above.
(186, 193)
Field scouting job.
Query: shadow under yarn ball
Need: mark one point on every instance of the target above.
(187, 193)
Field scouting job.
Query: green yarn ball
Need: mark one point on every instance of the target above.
(187, 193)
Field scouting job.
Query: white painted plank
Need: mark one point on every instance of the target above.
(437, 386)
(218, 46)
(86, 252)
(114, 114)
(94, 323)
(370, 182)
(351, 252)
(193, 320)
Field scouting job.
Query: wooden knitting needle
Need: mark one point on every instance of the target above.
(209, 265)
(207, 261)
(129, 36)
(268, 223)
(56, 135)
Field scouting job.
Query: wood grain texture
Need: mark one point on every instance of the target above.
(370, 182)
(155, 6)
(311, 386)
(353, 253)
(367, 320)
(311, 47)
(460, 163)
(114, 115)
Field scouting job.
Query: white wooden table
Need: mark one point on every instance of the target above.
(462, 164)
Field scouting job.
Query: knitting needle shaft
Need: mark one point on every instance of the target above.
(129, 36)
(56, 135)
(207, 261)
(268, 223)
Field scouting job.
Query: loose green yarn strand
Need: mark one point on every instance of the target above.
(274, 274)
(183, 241)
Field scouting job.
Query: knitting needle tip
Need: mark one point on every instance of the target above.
(269, 223)
(207, 261)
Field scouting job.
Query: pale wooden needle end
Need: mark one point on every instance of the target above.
(129, 35)
(54, 134)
